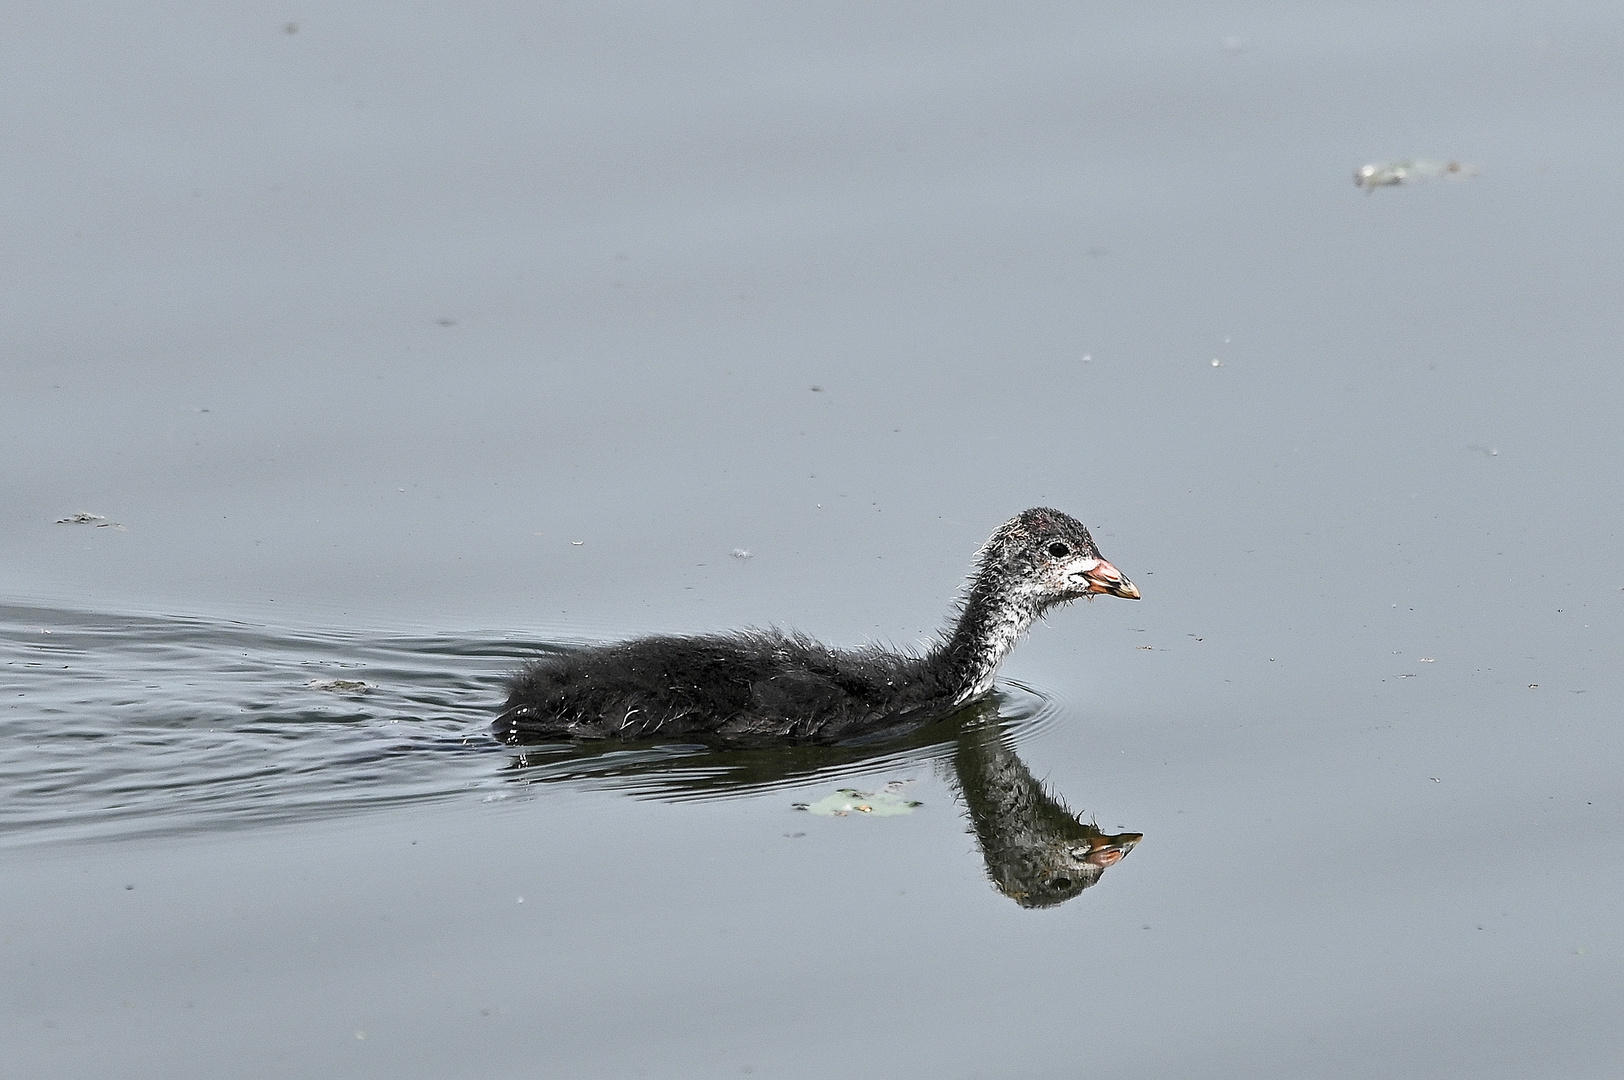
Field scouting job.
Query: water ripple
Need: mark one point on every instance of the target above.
(129, 725)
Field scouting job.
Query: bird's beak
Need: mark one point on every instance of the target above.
(1107, 579)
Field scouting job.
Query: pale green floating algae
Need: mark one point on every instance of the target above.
(889, 801)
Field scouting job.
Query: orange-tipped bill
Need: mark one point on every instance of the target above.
(1109, 850)
(1107, 579)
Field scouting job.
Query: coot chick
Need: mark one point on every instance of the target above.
(766, 686)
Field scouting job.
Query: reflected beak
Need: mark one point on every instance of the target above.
(1107, 579)
(1109, 850)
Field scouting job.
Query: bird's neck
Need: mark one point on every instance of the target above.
(989, 625)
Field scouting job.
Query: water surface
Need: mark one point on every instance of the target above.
(389, 346)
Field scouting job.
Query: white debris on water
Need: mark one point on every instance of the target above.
(886, 802)
(91, 519)
(1392, 173)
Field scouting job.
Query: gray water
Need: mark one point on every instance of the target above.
(385, 347)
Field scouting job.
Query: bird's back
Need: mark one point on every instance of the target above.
(735, 686)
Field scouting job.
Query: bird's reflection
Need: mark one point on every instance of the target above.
(1037, 851)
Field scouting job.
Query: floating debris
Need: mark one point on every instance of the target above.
(886, 802)
(91, 519)
(740, 553)
(340, 686)
(1392, 173)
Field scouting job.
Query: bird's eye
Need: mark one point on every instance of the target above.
(1059, 550)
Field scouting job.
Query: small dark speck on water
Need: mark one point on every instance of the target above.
(445, 322)
(817, 389)
(129, 888)
(291, 28)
